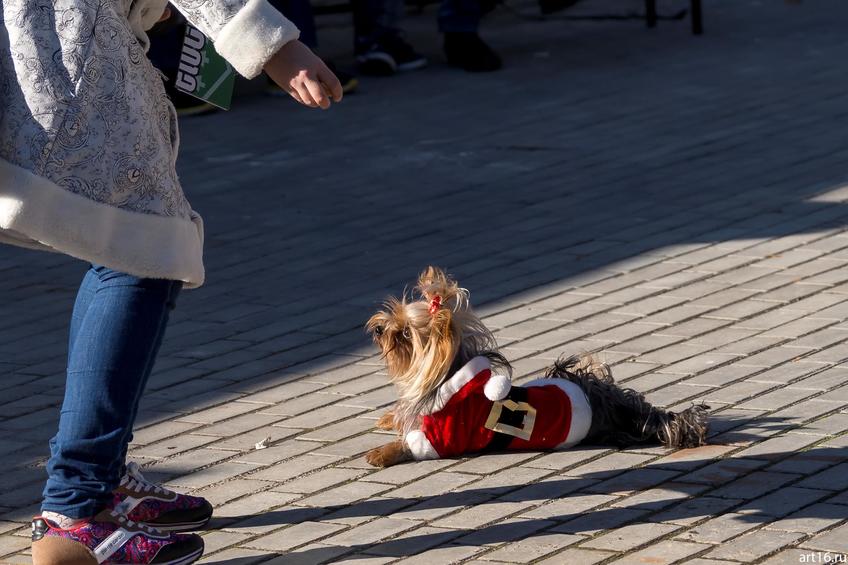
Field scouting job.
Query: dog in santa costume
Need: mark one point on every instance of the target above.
(456, 396)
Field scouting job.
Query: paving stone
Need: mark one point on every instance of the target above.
(400, 474)
(216, 541)
(293, 468)
(752, 546)
(532, 548)
(11, 544)
(214, 474)
(294, 536)
(434, 484)
(811, 519)
(276, 453)
(694, 510)
(834, 540)
(629, 537)
(371, 532)
(492, 463)
(668, 551)
(721, 528)
(782, 502)
(442, 554)
(577, 555)
(503, 532)
(753, 485)
(777, 447)
(608, 518)
(568, 507)
(319, 480)
(795, 556)
(339, 431)
(835, 478)
(608, 465)
(481, 514)
(421, 539)
(320, 417)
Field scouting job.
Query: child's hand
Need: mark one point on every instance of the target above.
(304, 76)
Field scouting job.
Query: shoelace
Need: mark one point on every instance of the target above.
(134, 480)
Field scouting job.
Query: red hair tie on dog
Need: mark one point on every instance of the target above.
(435, 305)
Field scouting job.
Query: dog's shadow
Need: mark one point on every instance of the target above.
(696, 485)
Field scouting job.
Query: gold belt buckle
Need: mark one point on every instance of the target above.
(524, 432)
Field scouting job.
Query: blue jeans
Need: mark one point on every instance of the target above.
(116, 330)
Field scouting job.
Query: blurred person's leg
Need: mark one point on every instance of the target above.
(379, 42)
(459, 20)
(300, 13)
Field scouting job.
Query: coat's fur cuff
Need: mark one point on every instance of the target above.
(420, 446)
(253, 36)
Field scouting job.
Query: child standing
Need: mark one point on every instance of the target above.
(88, 146)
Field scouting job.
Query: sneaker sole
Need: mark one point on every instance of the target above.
(412, 65)
(380, 64)
(180, 527)
(185, 560)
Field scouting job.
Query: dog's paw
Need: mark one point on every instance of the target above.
(376, 458)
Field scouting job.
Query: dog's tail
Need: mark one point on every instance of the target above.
(622, 416)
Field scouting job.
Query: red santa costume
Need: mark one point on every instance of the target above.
(475, 411)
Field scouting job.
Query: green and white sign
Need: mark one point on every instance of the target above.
(202, 72)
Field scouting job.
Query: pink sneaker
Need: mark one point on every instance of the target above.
(148, 503)
(110, 539)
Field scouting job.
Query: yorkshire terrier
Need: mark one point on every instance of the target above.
(456, 397)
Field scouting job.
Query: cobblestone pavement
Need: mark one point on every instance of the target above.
(676, 204)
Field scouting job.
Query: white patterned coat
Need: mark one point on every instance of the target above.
(88, 139)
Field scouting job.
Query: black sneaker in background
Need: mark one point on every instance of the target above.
(389, 55)
(469, 52)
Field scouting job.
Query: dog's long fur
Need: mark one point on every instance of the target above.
(424, 345)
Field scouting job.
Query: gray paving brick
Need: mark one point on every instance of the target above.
(369, 533)
(293, 536)
(668, 551)
(214, 474)
(293, 468)
(319, 480)
(532, 548)
(832, 540)
(577, 555)
(755, 545)
(629, 537)
(811, 519)
(721, 528)
(503, 532)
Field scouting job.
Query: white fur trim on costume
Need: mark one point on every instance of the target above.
(420, 446)
(497, 387)
(459, 380)
(253, 36)
(38, 214)
(581, 411)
